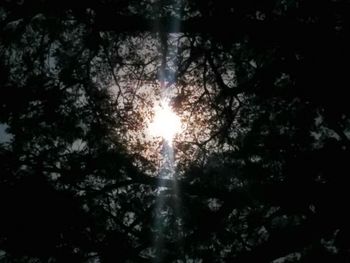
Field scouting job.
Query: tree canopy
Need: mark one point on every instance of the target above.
(259, 172)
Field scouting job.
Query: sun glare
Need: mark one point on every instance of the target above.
(166, 123)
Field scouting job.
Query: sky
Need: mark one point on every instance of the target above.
(4, 136)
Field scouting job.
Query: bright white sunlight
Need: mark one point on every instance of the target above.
(166, 123)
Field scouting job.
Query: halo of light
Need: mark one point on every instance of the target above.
(166, 123)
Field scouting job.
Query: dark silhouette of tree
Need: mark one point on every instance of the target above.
(261, 167)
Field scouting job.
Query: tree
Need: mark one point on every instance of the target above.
(260, 168)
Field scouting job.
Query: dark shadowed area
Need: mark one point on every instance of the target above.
(95, 168)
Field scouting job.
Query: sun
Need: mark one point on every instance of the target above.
(166, 123)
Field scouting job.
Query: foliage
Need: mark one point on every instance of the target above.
(261, 167)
